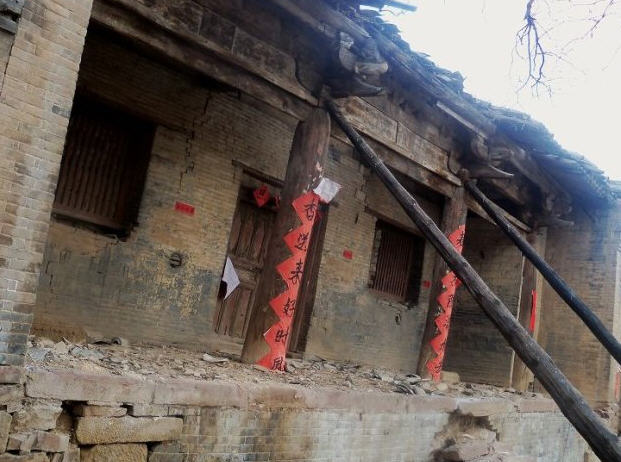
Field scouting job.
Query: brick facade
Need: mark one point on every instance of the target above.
(120, 288)
(476, 350)
(35, 101)
(78, 281)
(586, 256)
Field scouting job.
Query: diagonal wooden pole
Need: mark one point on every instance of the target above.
(568, 399)
(558, 284)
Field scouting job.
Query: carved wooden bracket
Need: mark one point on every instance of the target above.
(357, 67)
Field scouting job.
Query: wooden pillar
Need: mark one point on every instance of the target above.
(453, 217)
(308, 154)
(531, 294)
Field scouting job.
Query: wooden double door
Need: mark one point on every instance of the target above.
(248, 245)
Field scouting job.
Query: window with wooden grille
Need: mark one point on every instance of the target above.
(104, 166)
(397, 263)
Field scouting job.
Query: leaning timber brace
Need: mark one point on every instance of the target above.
(568, 398)
(560, 286)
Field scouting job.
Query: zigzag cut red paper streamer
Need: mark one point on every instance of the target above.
(450, 284)
(291, 271)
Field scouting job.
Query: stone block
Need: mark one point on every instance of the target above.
(36, 415)
(34, 457)
(50, 442)
(450, 377)
(104, 430)
(466, 451)
(11, 374)
(199, 393)
(11, 393)
(162, 457)
(22, 442)
(115, 452)
(5, 426)
(83, 410)
(148, 410)
(72, 454)
(537, 405)
(70, 385)
(484, 407)
(184, 410)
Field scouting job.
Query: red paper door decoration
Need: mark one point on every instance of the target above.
(262, 195)
(445, 300)
(291, 270)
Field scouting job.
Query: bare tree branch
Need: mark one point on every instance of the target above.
(529, 37)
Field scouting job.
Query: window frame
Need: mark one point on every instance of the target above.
(410, 294)
(92, 117)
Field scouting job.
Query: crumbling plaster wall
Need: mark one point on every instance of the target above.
(476, 349)
(128, 288)
(586, 256)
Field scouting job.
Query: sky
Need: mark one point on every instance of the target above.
(478, 37)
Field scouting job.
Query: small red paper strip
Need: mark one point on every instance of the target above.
(291, 271)
(533, 310)
(450, 284)
(184, 208)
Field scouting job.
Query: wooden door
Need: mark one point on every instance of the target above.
(250, 234)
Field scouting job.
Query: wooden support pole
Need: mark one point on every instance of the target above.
(558, 284)
(453, 217)
(569, 400)
(308, 154)
(530, 307)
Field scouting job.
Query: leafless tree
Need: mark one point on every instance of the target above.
(534, 38)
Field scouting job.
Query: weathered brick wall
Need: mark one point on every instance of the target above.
(128, 288)
(476, 349)
(35, 100)
(350, 322)
(586, 256)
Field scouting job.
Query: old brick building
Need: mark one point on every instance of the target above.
(134, 134)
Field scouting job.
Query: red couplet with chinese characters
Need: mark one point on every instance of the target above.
(291, 271)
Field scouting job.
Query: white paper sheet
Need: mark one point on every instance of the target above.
(230, 277)
(327, 189)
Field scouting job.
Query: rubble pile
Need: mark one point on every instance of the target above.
(118, 357)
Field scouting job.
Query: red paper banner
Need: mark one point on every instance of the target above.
(450, 284)
(291, 270)
(533, 310)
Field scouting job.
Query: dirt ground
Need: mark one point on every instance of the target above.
(120, 358)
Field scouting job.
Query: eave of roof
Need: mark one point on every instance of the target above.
(580, 177)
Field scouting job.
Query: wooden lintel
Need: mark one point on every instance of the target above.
(258, 174)
(186, 54)
(223, 51)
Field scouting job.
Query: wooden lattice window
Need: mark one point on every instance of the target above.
(397, 262)
(104, 166)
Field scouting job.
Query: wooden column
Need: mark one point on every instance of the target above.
(453, 216)
(532, 281)
(308, 154)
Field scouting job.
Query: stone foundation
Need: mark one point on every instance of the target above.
(68, 416)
